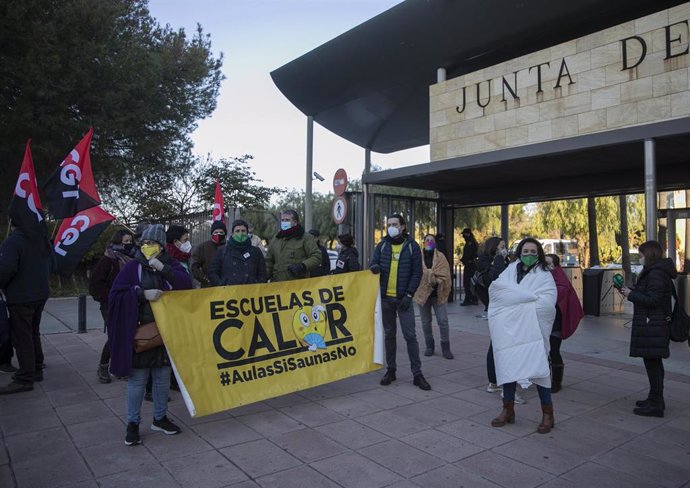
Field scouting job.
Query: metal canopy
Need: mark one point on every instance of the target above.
(371, 84)
(606, 163)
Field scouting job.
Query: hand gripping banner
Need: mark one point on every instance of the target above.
(235, 345)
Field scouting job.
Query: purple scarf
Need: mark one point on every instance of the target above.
(123, 312)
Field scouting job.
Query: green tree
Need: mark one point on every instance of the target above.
(68, 65)
(192, 190)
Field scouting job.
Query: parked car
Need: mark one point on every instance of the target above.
(635, 266)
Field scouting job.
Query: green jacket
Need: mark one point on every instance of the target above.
(286, 249)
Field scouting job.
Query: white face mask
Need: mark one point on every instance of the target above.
(185, 246)
(393, 232)
(503, 252)
(641, 260)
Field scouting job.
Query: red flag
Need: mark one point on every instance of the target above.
(76, 235)
(26, 210)
(71, 188)
(218, 206)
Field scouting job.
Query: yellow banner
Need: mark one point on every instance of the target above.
(234, 345)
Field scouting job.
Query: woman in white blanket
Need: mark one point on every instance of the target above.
(522, 307)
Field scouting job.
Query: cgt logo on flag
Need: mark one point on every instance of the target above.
(77, 235)
(25, 208)
(28, 193)
(218, 205)
(71, 188)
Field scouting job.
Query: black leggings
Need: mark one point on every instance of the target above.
(655, 374)
(490, 365)
(555, 353)
(105, 353)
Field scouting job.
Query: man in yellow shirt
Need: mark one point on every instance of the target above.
(398, 259)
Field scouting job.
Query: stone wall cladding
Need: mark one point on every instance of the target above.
(602, 97)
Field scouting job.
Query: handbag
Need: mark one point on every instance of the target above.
(147, 337)
(679, 322)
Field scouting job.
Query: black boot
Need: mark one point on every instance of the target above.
(556, 377)
(388, 378)
(445, 349)
(103, 374)
(429, 348)
(654, 408)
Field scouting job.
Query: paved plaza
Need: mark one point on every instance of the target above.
(69, 432)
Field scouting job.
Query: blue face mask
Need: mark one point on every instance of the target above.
(285, 225)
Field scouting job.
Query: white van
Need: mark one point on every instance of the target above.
(566, 249)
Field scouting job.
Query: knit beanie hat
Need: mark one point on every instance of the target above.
(154, 232)
(218, 224)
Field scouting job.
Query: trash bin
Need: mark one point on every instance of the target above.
(683, 290)
(598, 293)
(591, 291)
(574, 274)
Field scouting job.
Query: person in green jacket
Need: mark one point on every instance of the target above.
(292, 253)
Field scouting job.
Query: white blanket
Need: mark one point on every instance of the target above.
(520, 321)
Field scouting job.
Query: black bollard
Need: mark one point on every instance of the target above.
(82, 314)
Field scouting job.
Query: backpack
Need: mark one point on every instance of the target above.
(479, 285)
(679, 322)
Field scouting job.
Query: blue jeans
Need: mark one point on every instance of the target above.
(509, 393)
(389, 311)
(136, 385)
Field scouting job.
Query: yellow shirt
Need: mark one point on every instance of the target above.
(391, 290)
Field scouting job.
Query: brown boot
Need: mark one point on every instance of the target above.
(547, 421)
(507, 415)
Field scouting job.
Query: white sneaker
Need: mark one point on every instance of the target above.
(518, 399)
(493, 388)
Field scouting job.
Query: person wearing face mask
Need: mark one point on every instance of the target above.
(237, 262)
(178, 245)
(490, 264)
(399, 261)
(522, 308)
(141, 281)
(348, 257)
(649, 334)
(292, 253)
(433, 293)
(469, 263)
(203, 254)
(119, 252)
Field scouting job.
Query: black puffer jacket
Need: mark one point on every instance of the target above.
(237, 264)
(25, 265)
(348, 260)
(409, 265)
(651, 298)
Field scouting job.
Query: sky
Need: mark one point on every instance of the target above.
(252, 115)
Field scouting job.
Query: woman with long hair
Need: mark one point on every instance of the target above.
(651, 299)
(522, 307)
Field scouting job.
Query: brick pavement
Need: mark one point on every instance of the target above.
(69, 432)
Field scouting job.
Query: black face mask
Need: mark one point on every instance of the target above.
(128, 249)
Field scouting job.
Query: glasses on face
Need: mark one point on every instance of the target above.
(218, 233)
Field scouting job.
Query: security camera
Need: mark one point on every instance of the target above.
(318, 176)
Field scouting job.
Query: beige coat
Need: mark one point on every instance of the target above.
(439, 275)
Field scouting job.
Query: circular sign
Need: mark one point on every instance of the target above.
(339, 210)
(340, 182)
